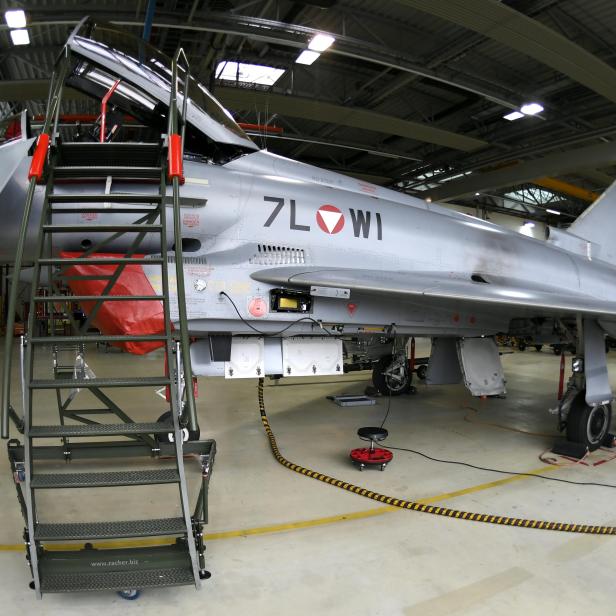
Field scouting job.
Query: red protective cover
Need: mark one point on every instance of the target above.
(139, 317)
(37, 166)
(174, 157)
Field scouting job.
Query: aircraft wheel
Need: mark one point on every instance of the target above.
(538, 348)
(557, 350)
(422, 371)
(391, 375)
(188, 435)
(129, 595)
(521, 346)
(588, 425)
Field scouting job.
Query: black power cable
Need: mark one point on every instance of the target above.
(495, 470)
(487, 469)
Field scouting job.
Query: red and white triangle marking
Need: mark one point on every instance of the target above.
(330, 219)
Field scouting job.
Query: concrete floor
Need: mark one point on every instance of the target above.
(376, 561)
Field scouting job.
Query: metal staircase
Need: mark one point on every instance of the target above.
(54, 568)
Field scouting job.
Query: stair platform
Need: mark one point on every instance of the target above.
(115, 569)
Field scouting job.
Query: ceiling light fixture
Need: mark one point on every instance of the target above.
(531, 108)
(549, 211)
(15, 18)
(248, 73)
(527, 109)
(514, 115)
(321, 42)
(20, 37)
(307, 57)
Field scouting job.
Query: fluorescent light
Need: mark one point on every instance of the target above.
(531, 108)
(477, 194)
(15, 18)
(514, 115)
(20, 37)
(549, 211)
(321, 42)
(307, 57)
(248, 73)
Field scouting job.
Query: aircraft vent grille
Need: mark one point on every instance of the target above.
(189, 260)
(268, 254)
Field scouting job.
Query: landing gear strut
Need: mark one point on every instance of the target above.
(585, 410)
(391, 375)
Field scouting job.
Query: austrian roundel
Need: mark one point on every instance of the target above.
(330, 219)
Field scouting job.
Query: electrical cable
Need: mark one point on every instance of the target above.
(495, 470)
(417, 506)
(273, 333)
(386, 412)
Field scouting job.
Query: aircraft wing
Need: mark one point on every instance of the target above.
(441, 288)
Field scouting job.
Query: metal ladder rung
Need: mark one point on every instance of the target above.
(104, 198)
(134, 228)
(68, 261)
(104, 480)
(142, 381)
(103, 210)
(94, 298)
(95, 171)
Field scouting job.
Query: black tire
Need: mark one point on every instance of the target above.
(386, 385)
(422, 372)
(557, 350)
(538, 348)
(586, 424)
(193, 435)
(521, 346)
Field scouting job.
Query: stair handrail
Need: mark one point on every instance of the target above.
(175, 162)
(35, 174)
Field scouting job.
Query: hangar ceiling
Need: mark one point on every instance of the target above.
(411, 94)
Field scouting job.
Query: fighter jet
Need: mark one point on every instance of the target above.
(290, 270)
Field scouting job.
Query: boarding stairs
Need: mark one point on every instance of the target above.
(148, 453)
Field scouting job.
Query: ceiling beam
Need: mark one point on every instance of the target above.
(253, 100)
(499, 22)
(293, 35)
(309, 109)
(567, 188)
(553, 164)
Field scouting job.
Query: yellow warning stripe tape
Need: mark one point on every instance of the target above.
(288, 526)
(393, 504)
(418, 505)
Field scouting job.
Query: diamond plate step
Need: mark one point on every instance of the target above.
(109, 530)
(114, 429)
(105, 479)
(118, 569)
(98, 338)
(108, 154)
(142, 381)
